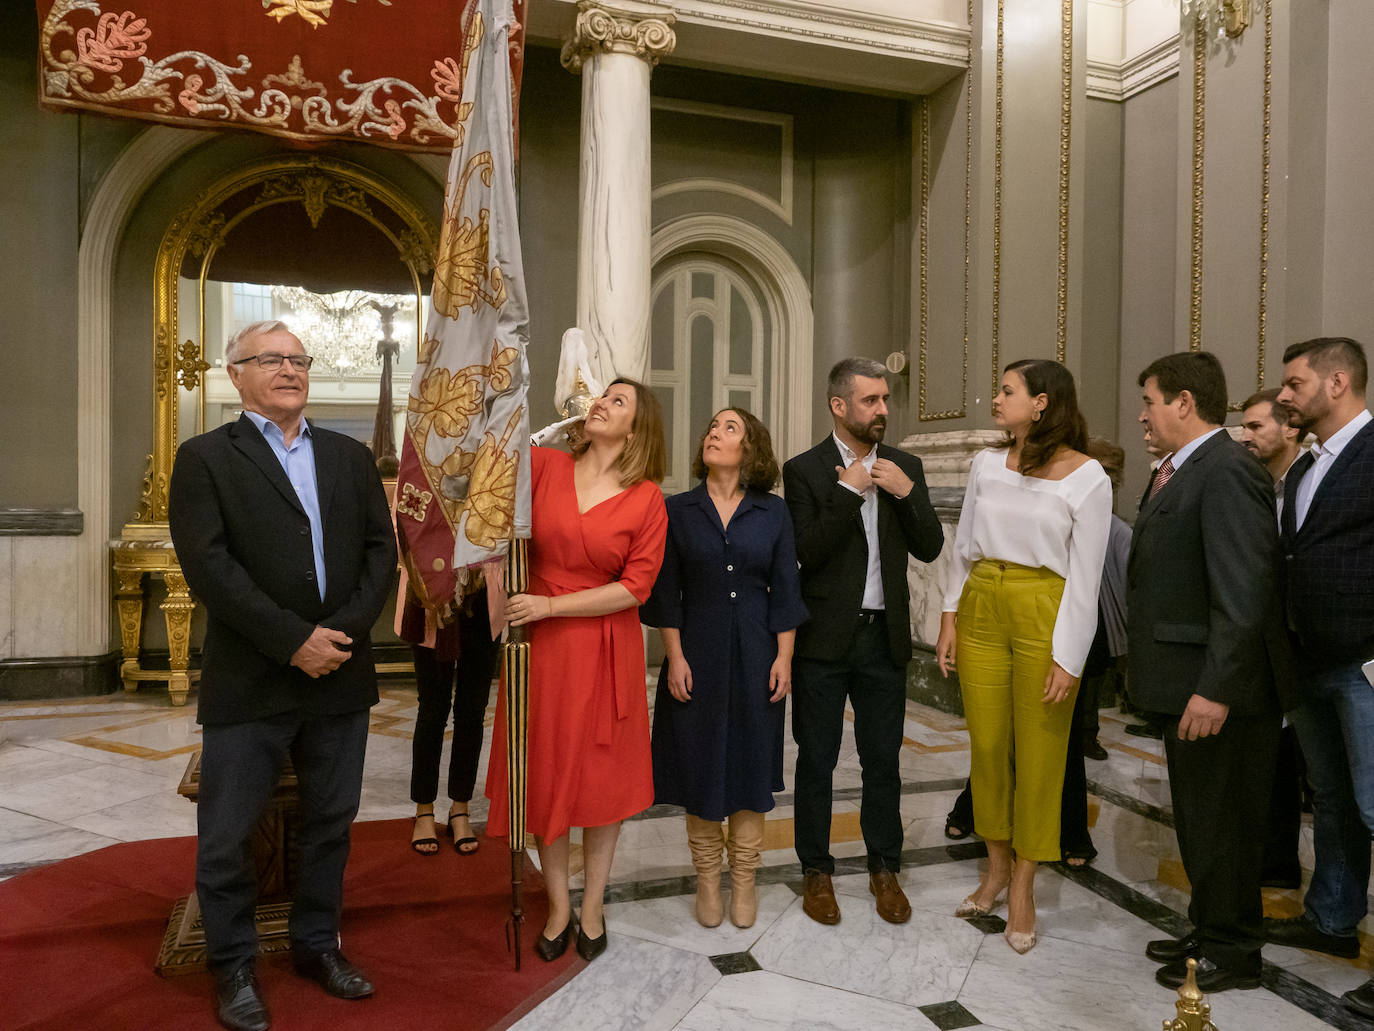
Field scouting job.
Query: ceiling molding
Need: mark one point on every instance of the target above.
(1107, 81)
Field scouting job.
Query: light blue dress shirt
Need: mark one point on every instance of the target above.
(298, 461)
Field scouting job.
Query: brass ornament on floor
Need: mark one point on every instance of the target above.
(1194, 1012)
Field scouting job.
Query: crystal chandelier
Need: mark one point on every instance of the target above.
(342, 330)
(1220, 17)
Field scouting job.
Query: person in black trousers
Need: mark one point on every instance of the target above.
(281, 529)
(859, 509)
(453, 670)
(1207, 648)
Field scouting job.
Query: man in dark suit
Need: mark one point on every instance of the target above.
(1328, 545)
(282, 530)
(859, 509)
(1207, 649)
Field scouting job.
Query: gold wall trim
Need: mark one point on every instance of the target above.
(997, 204)
(1065, 122)
(922, 413)
(201, 227)
(1263, 326)
(1199, 136)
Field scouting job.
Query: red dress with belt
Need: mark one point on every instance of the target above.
(589, 758)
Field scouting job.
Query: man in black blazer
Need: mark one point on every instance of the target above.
(859, 509)
(283, 533)
(1328, 545)
(1207, 649)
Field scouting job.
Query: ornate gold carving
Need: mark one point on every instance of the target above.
(200, 229)
(997, 203)
(315, 191)
(416, 252)
(190, 365)
(144, 513)
(644, 30)
(1065, 120)
(207, 236)
(176, 610)
(1199, 135)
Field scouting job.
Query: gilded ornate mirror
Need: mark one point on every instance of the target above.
(327, 246)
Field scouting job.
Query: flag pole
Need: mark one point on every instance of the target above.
(517, 669)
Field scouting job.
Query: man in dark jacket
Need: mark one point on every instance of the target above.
(282, 530)
(1207, 649)
(1328, 545)
(859, 509)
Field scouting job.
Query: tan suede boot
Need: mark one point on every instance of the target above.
(706, 839)
(745, 844)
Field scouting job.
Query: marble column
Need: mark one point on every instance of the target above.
(615, 45)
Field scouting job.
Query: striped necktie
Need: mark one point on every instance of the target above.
(1162, 475)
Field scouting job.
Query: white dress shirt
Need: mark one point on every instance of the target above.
(1325, 455)
(873, 579)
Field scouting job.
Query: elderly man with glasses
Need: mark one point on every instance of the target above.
(283, 533)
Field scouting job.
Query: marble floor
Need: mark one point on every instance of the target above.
(81, 774)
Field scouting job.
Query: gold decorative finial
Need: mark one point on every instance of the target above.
(1194, 1014)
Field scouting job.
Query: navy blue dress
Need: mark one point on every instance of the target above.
(729, 594)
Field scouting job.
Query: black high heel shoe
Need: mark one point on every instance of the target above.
(590, 948)
(549, 949)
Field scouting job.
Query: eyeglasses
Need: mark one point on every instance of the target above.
(270, 360)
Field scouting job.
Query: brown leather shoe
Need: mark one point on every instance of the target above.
(818, 898)
(892, 904)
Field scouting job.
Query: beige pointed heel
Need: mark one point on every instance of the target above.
(1020, 941)
(969, 907)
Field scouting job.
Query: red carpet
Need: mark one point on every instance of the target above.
(78, 940)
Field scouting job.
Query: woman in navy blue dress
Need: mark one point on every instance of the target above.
(727, 602)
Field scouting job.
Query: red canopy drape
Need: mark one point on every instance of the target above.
(383, 71)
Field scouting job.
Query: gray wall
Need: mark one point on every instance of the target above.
(1100, 268)
(1347, 297)
(1150, 140)
(39, 209)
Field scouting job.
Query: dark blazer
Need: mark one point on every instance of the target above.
(833, 550)
(243, 541)
(1330, 561)
(1202, 605)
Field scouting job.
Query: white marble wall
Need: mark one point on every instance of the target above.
(39, 596)
(946, 458)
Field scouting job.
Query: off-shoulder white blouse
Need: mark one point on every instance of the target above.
(1061, 525)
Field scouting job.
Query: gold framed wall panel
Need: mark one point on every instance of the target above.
(1064, 184)
(1198, 193)
(1199, 149)
(999, 81)
(1065, 137)
(923, 412)
(201, 227)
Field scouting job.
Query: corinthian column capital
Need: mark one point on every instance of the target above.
(620, 27)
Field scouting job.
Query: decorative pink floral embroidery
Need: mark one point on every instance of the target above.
(115, 39)
(448, 80)
(397, 120)
(187, 96)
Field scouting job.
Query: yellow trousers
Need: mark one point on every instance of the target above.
(1019, 743)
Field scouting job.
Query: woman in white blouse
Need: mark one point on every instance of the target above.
(1019, 615)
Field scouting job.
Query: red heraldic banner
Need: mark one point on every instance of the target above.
(463, 491)
(388, 72)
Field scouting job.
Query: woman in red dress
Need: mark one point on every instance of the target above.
(599, 526)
